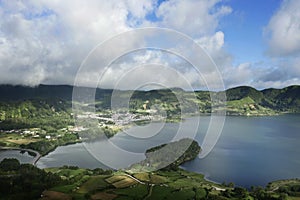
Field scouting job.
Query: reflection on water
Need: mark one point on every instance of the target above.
(250, 151)
(23, 157)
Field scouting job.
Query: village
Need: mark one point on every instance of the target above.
(114, 122)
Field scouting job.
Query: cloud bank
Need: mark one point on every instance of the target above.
(45, 42)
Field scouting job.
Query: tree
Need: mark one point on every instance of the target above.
(9, 164)
(240, 192)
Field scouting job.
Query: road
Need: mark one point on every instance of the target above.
(137, 180)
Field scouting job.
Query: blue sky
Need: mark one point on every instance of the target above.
(244, 28)
(255, 43)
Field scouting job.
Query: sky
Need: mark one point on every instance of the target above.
(252, 42)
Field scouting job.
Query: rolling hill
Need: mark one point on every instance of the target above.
(22, 102)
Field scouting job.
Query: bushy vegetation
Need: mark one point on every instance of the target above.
(49, 114)
(45, 146)
(36, 107)
(24, 181)
(182, 151)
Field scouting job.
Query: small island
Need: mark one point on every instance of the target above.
(168, 156)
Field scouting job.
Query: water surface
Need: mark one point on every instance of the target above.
(22, 156)
(250, 151)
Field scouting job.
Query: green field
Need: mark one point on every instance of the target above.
(74, 183)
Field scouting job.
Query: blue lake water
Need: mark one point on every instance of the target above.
(253, 151)
(250, 150)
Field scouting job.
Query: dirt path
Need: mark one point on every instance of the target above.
(135, 179)
(150, 189)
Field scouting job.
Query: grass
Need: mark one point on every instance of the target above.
(241, 103)
(183, 183)
(181, 179)
(157, 179)
(247, 106)
(137, 191)
(160, 192)
(67, 172)
(103, 196)
(21, 141)
(182, 194)
(199, 177)
(78, 196)
(48, 195)
(124, 183)
(64, 188)
(200, 193)
(52, 169)
(115, 178)
(78, 177)
(123, 198)
(170, 175)
(94, 183)
(293, 198)
(277, 184)
(120, 181)
(16, 139)
(142, 176)
(177, 184)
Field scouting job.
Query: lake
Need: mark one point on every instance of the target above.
(253, 151)
(250, 150)
(23, 157)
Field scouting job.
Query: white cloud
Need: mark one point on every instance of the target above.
(46, 41)
(283, 37)
(276, 84)
(242, 74)
(143, 68)
(283, 30)
(261, 75)
(212, 43)
(214, 46)
(195, 18)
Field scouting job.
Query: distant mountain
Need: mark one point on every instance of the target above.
(12, 93)
(278, 100)
(241, 100)
(64, 92)
(286, 99)
(241, 92)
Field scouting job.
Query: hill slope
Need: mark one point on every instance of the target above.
(241, 100)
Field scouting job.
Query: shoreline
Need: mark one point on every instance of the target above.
(205, 175)
(38, 155)
(35, 159)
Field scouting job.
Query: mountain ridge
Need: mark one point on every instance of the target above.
(43, 89)
(241, 100)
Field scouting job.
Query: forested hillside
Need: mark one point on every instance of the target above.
(18, 103)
